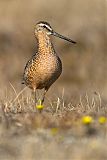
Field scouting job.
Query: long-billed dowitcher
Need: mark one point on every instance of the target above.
(44, 68)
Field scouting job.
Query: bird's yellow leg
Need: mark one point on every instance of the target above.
(35, 96)
(44, 95)
(39, 103)
(40, 106)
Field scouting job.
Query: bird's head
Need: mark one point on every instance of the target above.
(46, 27)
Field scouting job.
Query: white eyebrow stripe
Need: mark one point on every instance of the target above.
(42, 24)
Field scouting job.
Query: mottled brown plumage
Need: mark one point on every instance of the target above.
(44, 68)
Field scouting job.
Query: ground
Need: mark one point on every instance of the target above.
(59, 131)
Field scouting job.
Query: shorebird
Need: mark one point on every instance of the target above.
(44, 67)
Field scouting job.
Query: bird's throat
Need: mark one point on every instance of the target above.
(44, 43)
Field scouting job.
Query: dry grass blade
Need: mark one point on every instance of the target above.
(17, 96)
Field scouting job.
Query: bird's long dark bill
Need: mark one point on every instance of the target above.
(62, 37)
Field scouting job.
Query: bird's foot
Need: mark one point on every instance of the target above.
(39, 105)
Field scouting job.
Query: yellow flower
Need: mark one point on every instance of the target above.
(54, 131)
(102, 120)
(87, 119)
(39, 106)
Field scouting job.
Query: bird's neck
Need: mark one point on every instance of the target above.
(44, 43)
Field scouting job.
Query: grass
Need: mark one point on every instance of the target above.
(66, 128)
(62, 130)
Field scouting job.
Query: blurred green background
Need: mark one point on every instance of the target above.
(85, 21)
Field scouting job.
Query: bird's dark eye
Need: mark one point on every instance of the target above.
(45, 27)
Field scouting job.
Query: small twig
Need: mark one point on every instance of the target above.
(87, 102)
(63, 91)
(58, 103)
(93, 103)
(100, 103)
(81, 102)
